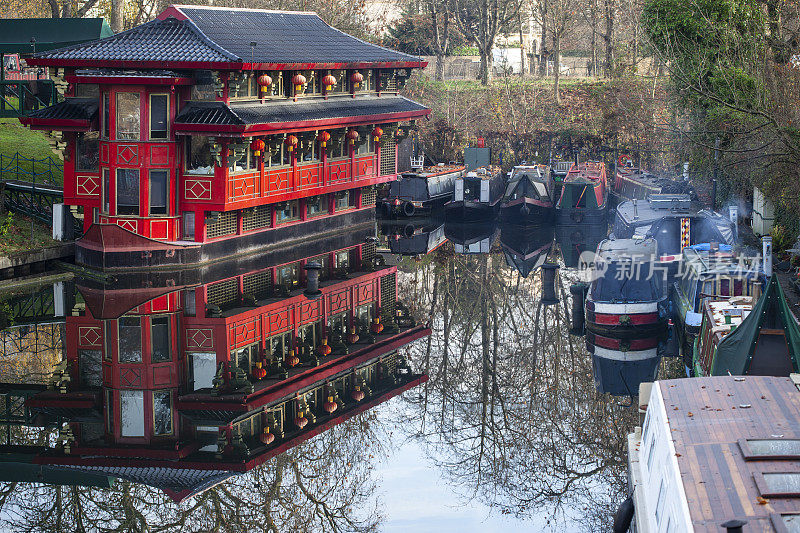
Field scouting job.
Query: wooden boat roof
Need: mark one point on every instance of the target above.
(627, 249)
(710, 420)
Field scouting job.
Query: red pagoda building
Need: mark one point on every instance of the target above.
(183, 390)
(213, 132)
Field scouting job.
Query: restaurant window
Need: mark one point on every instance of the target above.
(108, 348)
(312, 81)
(365, 146)
(129, 334)
(287, 212)
(199, 161)
(87, 147)
(342, 259)
(369, 82)
(344, 200)
(274, 157)
(337, 324)
(106, 129)
(106, 191)
(287, 275)
(364, 315)
(131, 411)
(245, 358)
(128, 117)
(90, 366)
(188, 226)
(308, 149)
(159, 191)
(160, 339)
(278, 346)
(311, 334)
(341, 81)
(162, 412)
(127, 191)
(159, 116)
(276, 88)
(316, 205)
(189, 303)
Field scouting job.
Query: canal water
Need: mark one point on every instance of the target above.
(521, 424)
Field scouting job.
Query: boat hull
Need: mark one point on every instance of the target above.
(465, 210)
(620, 319)
(526, 211)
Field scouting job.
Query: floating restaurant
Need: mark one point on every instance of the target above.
(186, 389)
(211, 132)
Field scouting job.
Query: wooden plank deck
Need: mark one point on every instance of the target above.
(707, 418)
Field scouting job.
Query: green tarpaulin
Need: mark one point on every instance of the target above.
(747, 351)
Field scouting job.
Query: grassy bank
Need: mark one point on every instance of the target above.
(30, 144)
(521, 120)
(18, 237)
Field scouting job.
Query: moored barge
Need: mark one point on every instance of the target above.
(584, 194)
(477, 195)
(414, 193)
(529, 194)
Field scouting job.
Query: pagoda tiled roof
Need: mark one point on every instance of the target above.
(205, 37)
(337, 111)
(71, 113)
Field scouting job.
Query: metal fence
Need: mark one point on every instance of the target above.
(45, 171)
(19, 97)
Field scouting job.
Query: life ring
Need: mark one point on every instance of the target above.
(576, 216)
(409, 209)
(623, 159)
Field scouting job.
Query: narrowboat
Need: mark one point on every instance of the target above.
(526, 247)
(418, 238)
(584, 194)
(741, 336)
(620, 364)
(674, 233)
(634, 183)
(560, 170)
(707, 274)
(529, 195)
(415, 193)
(626, 294)
(714, 454)
(477, 195)
(637, 215)
(471, 237)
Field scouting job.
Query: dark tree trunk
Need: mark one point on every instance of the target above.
(608, 37)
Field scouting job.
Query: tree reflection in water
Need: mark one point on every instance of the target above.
(510, 414)
(324, 484)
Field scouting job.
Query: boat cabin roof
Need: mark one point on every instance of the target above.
(627, 250)
(705, 263)
(639, 212)
(483, 173)
(434, 170)
(735, 442)
(727, 314)
(587, 171)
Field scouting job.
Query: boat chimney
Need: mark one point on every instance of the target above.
(549, 296)
(734, 526)
(312, 278)
(766, 254)
(635, 209)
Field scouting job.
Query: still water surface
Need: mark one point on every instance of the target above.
(513, 429)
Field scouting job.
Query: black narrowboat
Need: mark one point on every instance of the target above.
(584, 194)
(477, 195)
(529, 195)
(415, 193)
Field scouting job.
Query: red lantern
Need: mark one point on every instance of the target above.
(267, 437)
(358, 394)
(377, 133)
(290, 142)
(329, 82)
(323, 138)
(292, 359)
(330, 406)
(356, 78)
(353, 338)
(352, 136)
(324, 348)
(376, 327)
(299, 81)
(301, 420)
(257, 146)
(264, 81)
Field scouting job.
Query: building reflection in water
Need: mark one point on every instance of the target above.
(181, 382)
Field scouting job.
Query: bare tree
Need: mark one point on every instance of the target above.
(441, 14)
(481, 21)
